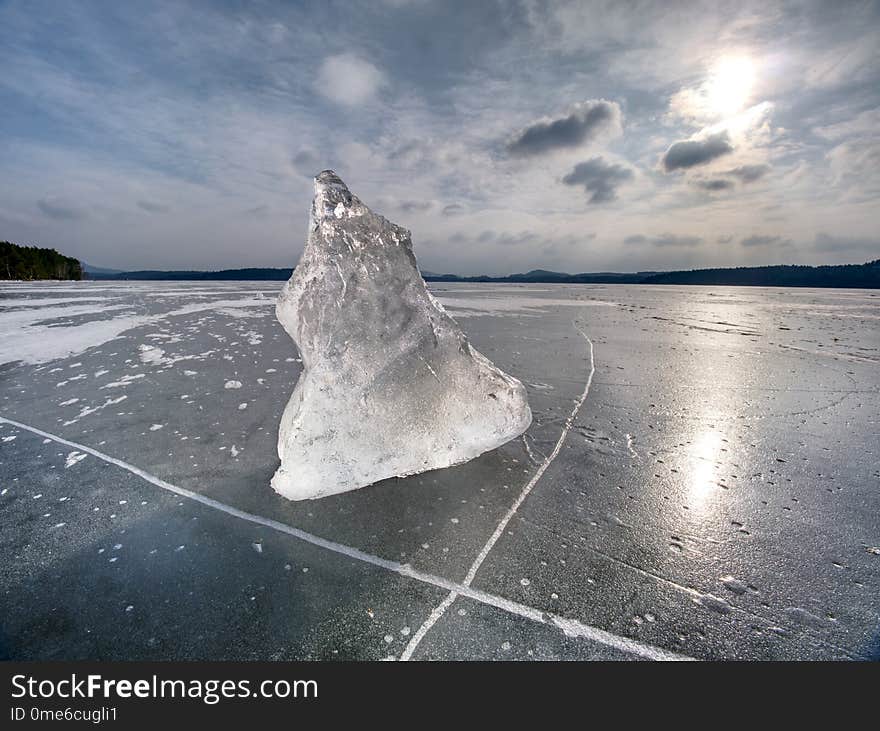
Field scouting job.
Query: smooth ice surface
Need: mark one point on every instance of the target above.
(391, 386)
(716, 496)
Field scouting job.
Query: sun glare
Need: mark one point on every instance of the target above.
(730, 85)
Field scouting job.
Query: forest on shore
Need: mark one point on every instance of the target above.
(31, 262)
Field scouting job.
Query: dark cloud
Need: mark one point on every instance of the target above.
(408, 150)
(664, 240)
(504, 238)
(757, 240)
(257, 211)
(582, 124)
(453, 209)
(152, 206)
(410, 206)
(599, 178)
(715, 184)
(749, 173)
(307, 163)
(523, 237)
(59, 211)
(689, 153)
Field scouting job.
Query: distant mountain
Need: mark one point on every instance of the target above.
(89, 269)
(543, 276)
(844, 275)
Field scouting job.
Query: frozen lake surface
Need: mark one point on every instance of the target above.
(702, 479)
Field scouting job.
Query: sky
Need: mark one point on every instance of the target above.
(506, 135)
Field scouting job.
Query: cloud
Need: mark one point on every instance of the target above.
(715, 184)
(152, 206)
(749, 173)
(856, 164)
(757, 240)
(744, 173)
(689, 153)
(523, 237)
(865, 123)
(664, 240)
(584, 123)
(348, 80)
(725, 239)
(410, 206)
(827, 243)
(453, 209)
(307, 163)
(53, 208)
(857, 64)
(599, 178)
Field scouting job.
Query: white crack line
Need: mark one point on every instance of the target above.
(499, 529)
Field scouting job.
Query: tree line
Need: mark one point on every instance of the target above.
(866, 276)
(32, 262)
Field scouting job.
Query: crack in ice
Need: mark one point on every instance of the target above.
(499, 529)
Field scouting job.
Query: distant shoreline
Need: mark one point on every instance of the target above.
(847, 276)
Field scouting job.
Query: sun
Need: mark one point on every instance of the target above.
(730, 85)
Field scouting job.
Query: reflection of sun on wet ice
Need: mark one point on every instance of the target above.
(702, 469)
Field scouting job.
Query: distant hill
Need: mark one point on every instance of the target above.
(31, 262)
(844, 275)
(543, 276)
(88, 270)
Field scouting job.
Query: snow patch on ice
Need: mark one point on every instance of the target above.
(124, 381)
(86, 411)
(24, 337)
(152, 355)
(74, 457)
